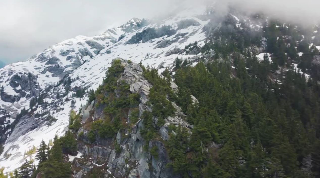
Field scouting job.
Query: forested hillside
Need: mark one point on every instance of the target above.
(249, 106)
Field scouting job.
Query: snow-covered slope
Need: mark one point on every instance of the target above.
(48, 84)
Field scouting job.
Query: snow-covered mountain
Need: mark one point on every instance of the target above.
(37, 95)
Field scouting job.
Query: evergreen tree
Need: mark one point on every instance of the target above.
(16, 174)
(26, 170)
(42, 154)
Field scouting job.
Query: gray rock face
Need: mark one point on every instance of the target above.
(85, 52)
(8, 98)
(24, 84)
(86, 112)
(316, 60)
(53, 60)
(98, 47)
(174, 51)
(56, 70)
(66, 52)
(132, 160)
(166, 43)
(26, 124)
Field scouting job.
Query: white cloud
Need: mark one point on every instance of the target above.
(28, 27)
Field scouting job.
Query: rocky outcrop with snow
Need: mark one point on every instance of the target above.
(132, 161)
(38, 94)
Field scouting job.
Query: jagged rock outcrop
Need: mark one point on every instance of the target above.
(133, 160)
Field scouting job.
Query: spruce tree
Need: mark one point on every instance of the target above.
(42, 154)
(26, 170)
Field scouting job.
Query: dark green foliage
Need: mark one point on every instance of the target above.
(177, 146)
(118, 148)
(55, 169)
(149, 130)
(104, 129)
(16, 174)
(177, 63)
(80, 92)
(159, 94)
(154, 151)
(92, 136)
(95, 172)
(193, 49)
(92, 96)
(55, 166)
(42, 153)
(134, 116)
(50, 120)
(257, 127)
(26, 170)
(116, 99)
(230, 38)
(244, 123)
(134, 99)
(74, 121)
(69, 144)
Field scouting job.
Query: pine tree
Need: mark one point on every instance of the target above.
(16, 174)
(69, 144)
(42, 154)
(26, 170)
(55, 166)
(56, 151)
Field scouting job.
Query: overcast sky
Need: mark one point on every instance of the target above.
(29, 26)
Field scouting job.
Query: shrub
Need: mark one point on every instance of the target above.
(30, 152)
(134, 99)
(134, 116)
(154, 151)
(92, 136)
(69, 144)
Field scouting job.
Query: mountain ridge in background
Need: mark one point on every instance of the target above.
(194, 95)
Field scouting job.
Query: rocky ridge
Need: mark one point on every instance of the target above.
(37, 95)
(132, 161)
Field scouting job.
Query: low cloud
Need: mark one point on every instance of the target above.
(304, 12)
(28, 27)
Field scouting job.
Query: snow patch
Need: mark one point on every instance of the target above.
(261, 56)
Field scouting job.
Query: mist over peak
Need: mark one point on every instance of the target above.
(29, 27)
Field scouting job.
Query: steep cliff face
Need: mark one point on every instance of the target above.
(126, 154)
